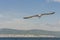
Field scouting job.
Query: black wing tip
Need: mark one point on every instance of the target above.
(24, 18)
(53, 12)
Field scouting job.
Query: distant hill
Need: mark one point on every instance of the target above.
(33, 32)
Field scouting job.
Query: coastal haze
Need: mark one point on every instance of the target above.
(28, 33)
(13, 24)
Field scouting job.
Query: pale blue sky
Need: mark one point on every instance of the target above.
(17, 9)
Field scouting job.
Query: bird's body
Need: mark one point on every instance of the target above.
(39, 15)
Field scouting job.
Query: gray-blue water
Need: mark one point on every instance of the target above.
(29, 38)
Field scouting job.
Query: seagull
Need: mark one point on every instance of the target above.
(39, 15)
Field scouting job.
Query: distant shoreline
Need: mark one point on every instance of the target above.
(27, 35)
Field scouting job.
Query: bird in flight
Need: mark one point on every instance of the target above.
(39, 15)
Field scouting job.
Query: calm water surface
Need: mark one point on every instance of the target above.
(28, 38)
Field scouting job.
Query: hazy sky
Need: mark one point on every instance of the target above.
(13, 11)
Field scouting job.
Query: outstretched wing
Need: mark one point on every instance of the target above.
(30, 17)
(48, 13)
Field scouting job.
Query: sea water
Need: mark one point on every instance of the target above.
(28, 38)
